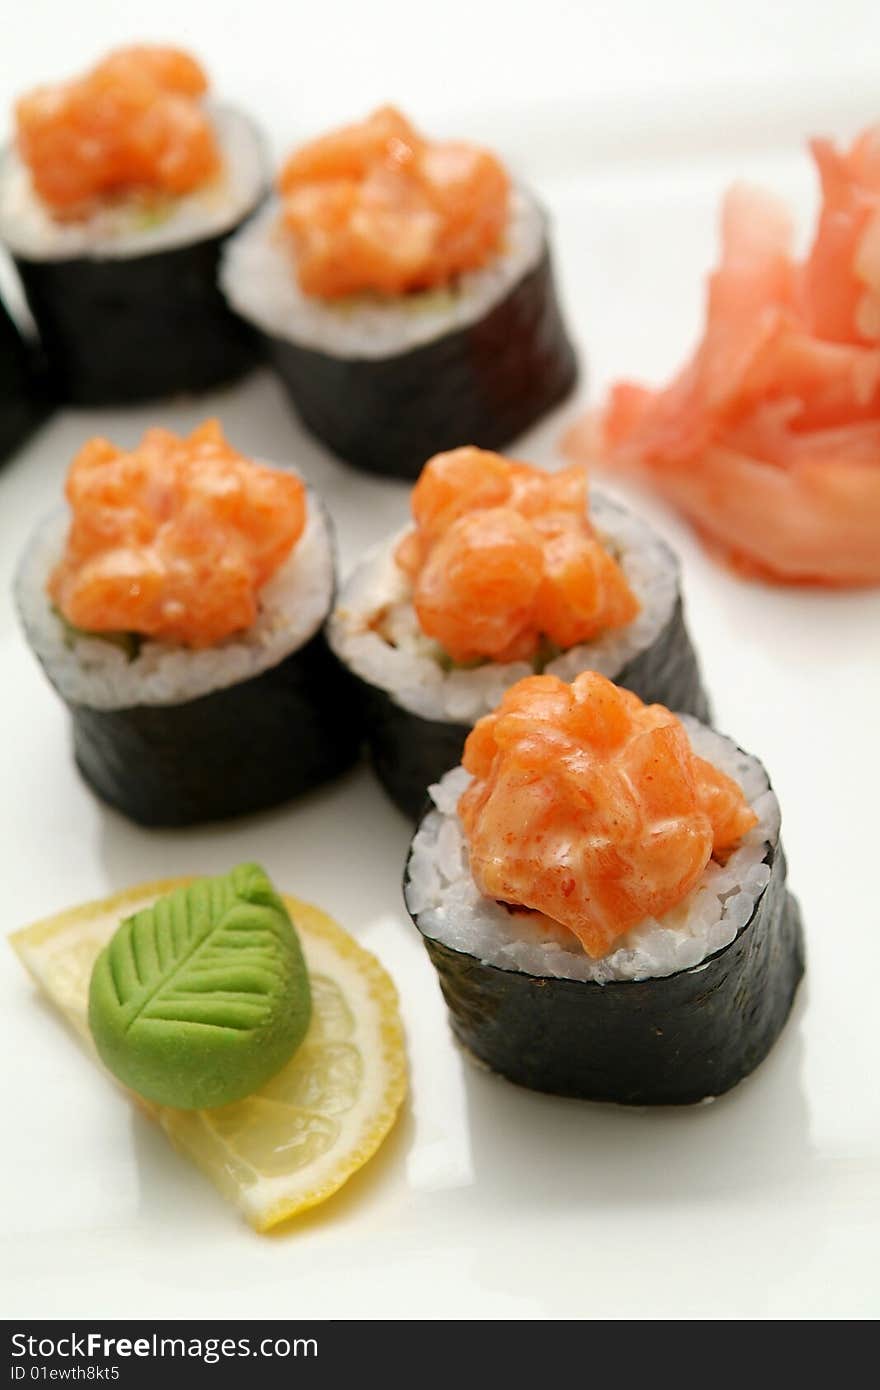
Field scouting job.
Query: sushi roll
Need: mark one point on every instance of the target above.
(602, 890)
(116, 197)
(507, 570)
(177, 607)
(405, 292)
(23, 398)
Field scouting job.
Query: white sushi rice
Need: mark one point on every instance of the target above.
(122, 227)
(258, 277)
(411, 667)
(94, 672)
(444, 900)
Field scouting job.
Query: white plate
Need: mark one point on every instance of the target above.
(487, 1200)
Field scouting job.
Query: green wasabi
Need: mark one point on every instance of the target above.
(201, 998)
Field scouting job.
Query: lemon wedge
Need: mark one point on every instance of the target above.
(293, 1143)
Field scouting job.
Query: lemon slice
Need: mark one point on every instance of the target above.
(294, 1142)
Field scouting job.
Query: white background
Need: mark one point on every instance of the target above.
(487, 1201)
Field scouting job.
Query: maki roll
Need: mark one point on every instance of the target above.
(115, 199)
(23, 400)
(602, 890)
(405, 292)
(177, 608)
(507, 570)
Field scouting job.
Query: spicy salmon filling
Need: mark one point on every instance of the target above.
(503, 559)
(377, 207)
(173, 539)
(590, 807)
(134, 124)
(769, 439)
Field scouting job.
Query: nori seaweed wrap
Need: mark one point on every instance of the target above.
(417, 715)
(24, 402)
(241, 748)
(632, 1029)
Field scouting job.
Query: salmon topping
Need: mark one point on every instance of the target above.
(503, 559)
(769, 440)
(592, 808)
(134, 124)
(377, 207)
(175, 538)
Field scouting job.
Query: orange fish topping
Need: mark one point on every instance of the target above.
(175, 538)
(132, 124)
(378, 207)
(591, 807)
(769, 438)
(503, 555)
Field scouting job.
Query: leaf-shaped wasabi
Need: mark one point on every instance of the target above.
(201, 998)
